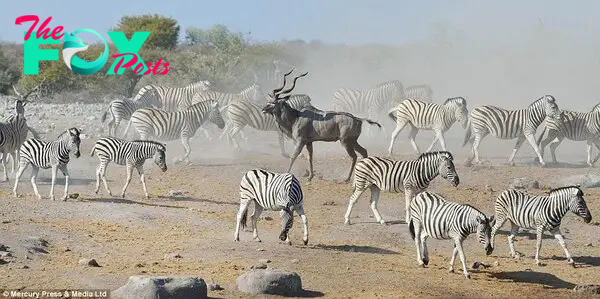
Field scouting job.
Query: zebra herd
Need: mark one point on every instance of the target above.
(177, 113)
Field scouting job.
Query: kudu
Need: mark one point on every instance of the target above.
(307, 125)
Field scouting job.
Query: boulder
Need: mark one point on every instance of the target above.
(585, 180)
(270, 281)
(524, 183)
(152, 287)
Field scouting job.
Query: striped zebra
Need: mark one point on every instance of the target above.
(434, 216)
(122, 110)
(13, 132)
(420, 92)
(175, 98)
(509, 124)
(369, 103)
(271, 191)
(542, 213)
(428, 116)
(243, 113)
(53, 154)
(154, 123)
(411, 177)
(132, 154)
(576, 126)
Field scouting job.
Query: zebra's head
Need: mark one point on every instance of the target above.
(446, 167)
(160, 158)
(73, 141)
(461, 112)
(214, 115)
(256, 93)
(550, 107)
(484, 232)
(577, 204)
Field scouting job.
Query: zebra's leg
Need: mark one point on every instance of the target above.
(300, 210)
(185, 141)
(531, 139)
(140, 170)
(22, 167)
(500, 220)
(128, 180)
(538, 244)
(409, 194)
(240, 217)
(359, 189)
(425, 251)
(553, 145)
(439, 135)
(518, 145)
(257, 211)
(399, 126)
(101, 174)
(453, 259)
(65, 172)
(126, 129)
(544, 142)
(225, 131)
(5, 176)
(375, 191)
(514, 229)
(34, 173)
(433, 143)
(461, 254)
(475, 149)
(417, 227)
(54, 172)
(561, 240)
(231, 136)
(597, 144)
(411, 137)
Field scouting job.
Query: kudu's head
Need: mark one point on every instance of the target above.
(279, 95)
(23, 97)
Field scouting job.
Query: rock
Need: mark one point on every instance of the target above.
(259, 266)
(524, 183)
(294, 261)
(588, 288)
(214, 287)
(496, 263)
(151, 287)
(264, 261)
(172, 256)
(36, 244)
(173, 193)
(267, 218)
(270, 281)
(585, 180)
(329, 203)
(88, 262)
(588, 245)
(3, 247)
(5, 254)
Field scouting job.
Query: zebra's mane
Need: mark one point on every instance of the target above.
(564, 188)
(388, 83)
(539, 102)
(67, 131)
(596, 108)
(455, 99)
(436, 153)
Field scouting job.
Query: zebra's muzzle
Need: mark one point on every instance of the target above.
(489, 249)
(455, 181)
(588, 219)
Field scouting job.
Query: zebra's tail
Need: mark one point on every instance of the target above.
(103, 118)
(93, 151)
(244, 219)
(392, 115)
(411, 229)
(35, 134)
(539, 140)
(467, 133)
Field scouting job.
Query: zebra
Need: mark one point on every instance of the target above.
(13, 132)
(53, 154)
(155, 123)
(430, 116)
(539, 212)
(411, 177)
(271, 191)
(434, 216)
(576, 126)
(371, 102)
(242, 113)
(175, 98)
(509, 124)
(132, 154)
(420, 92)
(250, 94)
(122, 110)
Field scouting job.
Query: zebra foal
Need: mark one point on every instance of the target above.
(53, 154)
(154, 123)
(429, 116)
(271, 191)
(542, 213)
(509, 124)
(434, 216)
(132, 154)
(411, 177)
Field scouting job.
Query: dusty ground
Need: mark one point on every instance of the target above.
(364, 260)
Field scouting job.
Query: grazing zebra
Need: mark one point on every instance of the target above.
(434, 216)
(428, 116)
(132, 154)
(411, 177)
(175, 98)
(542, 213)
(122, 110)
(271, 191)
(420, 92)
(53, 154)
(509, 124)
(576, 126)
(13, 132)
(369, 103)
(154, 123)
(242, 113)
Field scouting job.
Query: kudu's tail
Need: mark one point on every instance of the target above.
(467, 133)
(371, 122)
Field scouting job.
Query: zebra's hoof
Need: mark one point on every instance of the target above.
(425, 262)
(347, 222)
(468, 276)
(451, 270)
(305, 242)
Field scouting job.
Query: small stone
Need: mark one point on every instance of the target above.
(589, 288)
(25, 267)
(267, 218)
(89, 262)
(172, 256)
(5, 254)
(67, 249)
(174, 193)
(264, 261)
(589, 245)
(3, 248)
(214, 287)
(295, 261)
(496, 263)
(329, 203)
(260, 249)
(6, 221)
(259, 266)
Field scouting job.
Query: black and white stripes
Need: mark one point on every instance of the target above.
(411, 177)
(123, 109)
(175, 98)
(53, 154)
(132, 154)
(421, 92)
(433, 216)
(270, 191)
(542, 213)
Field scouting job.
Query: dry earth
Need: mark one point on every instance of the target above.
(365, 260)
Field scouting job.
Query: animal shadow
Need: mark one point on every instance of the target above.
(533, 277)
(587, 261)
(526, 233)
(188, 198)
(355, 248)
(389, 222)
(61, 181)
(128, 201)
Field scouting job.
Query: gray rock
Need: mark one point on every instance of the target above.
(3, 247)
(270, 281)
(524, 183)
(214, 287)
(88, 262)
(173, 193)
(5, 254)
(259, 266)
(172, 256)
(588, 288)
(585, 180)
(151, 287)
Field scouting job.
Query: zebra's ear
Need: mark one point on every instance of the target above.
(492, 220)
(480, 220)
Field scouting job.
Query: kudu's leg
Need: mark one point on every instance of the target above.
(309, 148)
(297, 151)
(349, 146)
